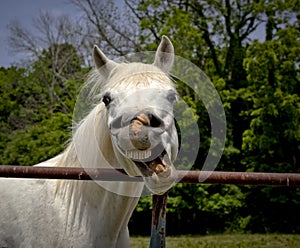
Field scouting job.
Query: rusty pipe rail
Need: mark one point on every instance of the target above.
(67, 173)
(194, 177)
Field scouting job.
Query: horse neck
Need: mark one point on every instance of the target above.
(92, 143)
(91, 147)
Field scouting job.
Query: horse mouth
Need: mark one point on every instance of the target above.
(149, 164)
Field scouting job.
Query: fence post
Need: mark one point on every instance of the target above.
(158, 227)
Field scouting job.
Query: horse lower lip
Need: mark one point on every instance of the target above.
(158, 165)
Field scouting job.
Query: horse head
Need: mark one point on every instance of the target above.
(139, 102)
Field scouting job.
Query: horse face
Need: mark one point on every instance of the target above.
(144, 135)
(140, 116)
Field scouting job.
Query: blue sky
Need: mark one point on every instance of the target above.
(24, 11)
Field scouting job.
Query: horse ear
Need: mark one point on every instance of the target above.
(103, 64)
(164, 56)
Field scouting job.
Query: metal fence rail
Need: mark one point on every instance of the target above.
(195, 177)
(158, 225)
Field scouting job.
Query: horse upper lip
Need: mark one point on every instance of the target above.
(147, 155)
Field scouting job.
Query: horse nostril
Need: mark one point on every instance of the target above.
(117, 123)
(154, 121)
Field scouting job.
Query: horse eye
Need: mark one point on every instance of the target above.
(106, 99)
(172, 96)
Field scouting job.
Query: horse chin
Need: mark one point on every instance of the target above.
(162, 182)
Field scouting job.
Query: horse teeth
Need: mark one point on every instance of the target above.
(136, 154)
(159, 168)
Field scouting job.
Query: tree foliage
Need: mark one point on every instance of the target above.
(36, 107)
(258, 81)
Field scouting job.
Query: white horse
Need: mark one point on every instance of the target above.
(132, 127)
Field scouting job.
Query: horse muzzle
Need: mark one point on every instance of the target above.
(139, 139)
(148, 158)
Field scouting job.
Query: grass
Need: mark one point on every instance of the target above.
(225, 241)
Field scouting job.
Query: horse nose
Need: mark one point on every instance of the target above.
(144, 118)
(140, 127)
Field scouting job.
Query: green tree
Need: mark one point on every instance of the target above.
(213, 35)
(271, 143)
(258, 83)
(37, 105)
(273, 73)
(54, 68)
